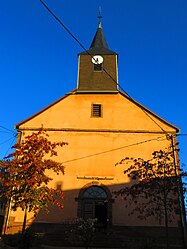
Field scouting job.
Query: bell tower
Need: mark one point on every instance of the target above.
(98, 67)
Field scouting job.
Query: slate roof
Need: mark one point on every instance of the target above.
(99, 44)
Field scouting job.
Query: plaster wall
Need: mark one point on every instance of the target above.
(95, 145)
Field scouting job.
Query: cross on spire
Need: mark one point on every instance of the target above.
(100, 16)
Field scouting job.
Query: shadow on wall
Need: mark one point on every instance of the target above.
(94, 200)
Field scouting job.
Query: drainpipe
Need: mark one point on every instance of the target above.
(180, 195)
(19, 139)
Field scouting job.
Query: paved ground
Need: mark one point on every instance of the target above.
(2, 246)
(47, 247)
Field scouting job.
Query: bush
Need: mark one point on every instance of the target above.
(22, 240)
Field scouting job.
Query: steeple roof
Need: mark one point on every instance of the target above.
(99, 44)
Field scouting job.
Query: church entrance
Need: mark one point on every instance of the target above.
(94, 202)
(101, 213)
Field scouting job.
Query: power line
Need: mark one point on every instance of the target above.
(62, 25)
(70, 33)
(10, 146)
(10, 131)
(7, 132)
(82, 46)
(12, 139)
(5, 141)
(119, 148)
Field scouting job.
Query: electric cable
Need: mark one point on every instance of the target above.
(119, 148)
(7, 131)
(82, 46)
(62, 25)
(10, 146)
(5, 141)
(70, 33)
(10, 131)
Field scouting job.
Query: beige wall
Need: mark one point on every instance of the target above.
(74, 111)
(95, 145)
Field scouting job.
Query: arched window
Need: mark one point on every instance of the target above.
(95, 202)
(95, 192)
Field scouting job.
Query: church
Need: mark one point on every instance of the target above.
(101, 124)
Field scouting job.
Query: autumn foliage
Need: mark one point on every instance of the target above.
(154, 187)
(23, 173)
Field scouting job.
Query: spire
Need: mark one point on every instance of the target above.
(99, 44)
(99, 40)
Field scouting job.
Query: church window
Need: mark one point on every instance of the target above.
(96, 110)
(95, 192)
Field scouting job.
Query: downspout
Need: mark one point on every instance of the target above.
(180, 194)
(6, 223)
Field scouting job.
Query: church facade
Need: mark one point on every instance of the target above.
(101, 125)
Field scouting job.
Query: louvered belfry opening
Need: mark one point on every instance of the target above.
(96, 110)
(98, 67)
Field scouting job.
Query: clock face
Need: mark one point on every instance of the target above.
(97, 59)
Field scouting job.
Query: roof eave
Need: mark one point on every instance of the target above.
(149, 111)
(16, 127)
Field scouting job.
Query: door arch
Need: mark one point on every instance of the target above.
(95, 201)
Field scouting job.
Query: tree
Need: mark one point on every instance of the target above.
(155, 188)
(24, 176)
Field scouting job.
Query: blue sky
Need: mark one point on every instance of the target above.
(38, 58)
